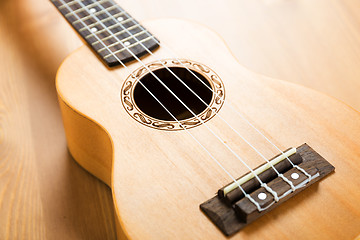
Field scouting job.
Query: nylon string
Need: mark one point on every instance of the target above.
(182, 82)
(169, 90)
(263, 184)
(217, 95)
(212, 157)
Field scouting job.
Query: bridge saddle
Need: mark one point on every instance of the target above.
(231, 211)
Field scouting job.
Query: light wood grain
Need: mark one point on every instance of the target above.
(44, 194)
(19, 189)
(314, 43)
(161, 175)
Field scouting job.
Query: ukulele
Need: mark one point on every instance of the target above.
(195, 146)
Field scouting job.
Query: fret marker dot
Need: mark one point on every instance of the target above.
(94, 29)
(262, 196)
(126, 43)
(93, 10)
(295, 175)
(120, 19)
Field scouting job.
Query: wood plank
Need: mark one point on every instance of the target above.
(44, 193)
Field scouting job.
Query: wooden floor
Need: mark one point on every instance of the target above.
(44, 194)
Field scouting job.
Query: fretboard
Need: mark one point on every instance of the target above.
(109, 30)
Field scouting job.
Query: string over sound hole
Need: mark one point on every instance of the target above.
(183, 101)
(173, 95)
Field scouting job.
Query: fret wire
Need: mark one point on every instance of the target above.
(115, 34)
(122, 40)
(111, 27)
(83, 9)
(97, 13)
(128, 47)
(94, 34)
(104, 20)
(69, 4)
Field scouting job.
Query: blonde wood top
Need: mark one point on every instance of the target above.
(312, 43)
(160, 177)
(272, 37)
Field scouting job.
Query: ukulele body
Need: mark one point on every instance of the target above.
(160, 177)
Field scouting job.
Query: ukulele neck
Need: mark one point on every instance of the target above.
(109, 30)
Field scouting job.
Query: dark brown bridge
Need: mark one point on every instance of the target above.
(232, 211)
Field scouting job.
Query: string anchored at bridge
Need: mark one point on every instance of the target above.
(230, 211)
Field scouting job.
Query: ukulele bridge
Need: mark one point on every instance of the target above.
(254, 194)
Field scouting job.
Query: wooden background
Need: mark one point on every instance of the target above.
(44, 194)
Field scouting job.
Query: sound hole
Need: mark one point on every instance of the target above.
(149, 105)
